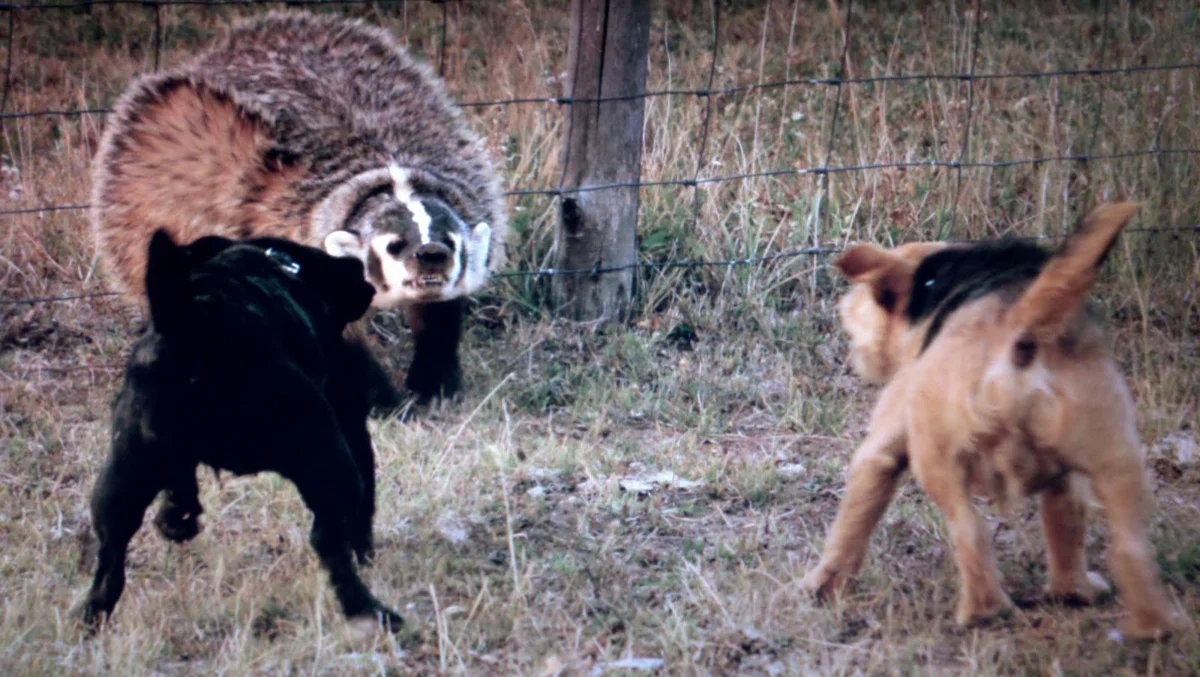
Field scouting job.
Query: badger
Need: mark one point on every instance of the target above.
(322, 130)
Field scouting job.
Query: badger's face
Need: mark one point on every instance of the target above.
(414, 247)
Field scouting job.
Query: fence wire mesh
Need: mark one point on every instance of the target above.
(709, 94)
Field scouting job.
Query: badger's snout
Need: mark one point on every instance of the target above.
(430, 265)
(433, 256)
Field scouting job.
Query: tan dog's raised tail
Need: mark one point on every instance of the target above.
(998, 382)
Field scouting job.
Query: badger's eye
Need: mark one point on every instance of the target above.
(448, 241)
(396, 246)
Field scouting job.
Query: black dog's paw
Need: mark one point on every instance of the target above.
(360, 628)
(389, 620)
(177, 524)
(384, 402)
(428, 379)
(89, 616)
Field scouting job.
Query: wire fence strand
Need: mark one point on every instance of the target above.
(709, 94)
(736, 89)
(653, 265)
(768, 173)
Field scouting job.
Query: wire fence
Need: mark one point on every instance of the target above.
(708, 94)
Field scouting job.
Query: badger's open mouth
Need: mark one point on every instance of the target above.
(427, 281)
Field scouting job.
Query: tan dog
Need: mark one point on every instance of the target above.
(998, 382)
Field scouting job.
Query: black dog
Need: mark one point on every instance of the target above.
(244, 368)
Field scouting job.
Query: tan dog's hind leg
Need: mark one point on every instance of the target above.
(944, 478)
(871, 481)
(1122, 491)
(1064, 518)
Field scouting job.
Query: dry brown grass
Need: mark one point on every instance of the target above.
(509, 530)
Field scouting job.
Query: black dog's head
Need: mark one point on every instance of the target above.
(324, 286)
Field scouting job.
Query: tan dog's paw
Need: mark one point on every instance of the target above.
(824, 582)
(1081, 591)
(1148, 625)
(971, 612)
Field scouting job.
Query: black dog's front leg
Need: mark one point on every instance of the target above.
(353, 391)
(331, 491)
(437, 329)
(315, 456)
(178, 517)
(125, 489)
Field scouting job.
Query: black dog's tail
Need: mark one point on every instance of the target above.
(167, 283)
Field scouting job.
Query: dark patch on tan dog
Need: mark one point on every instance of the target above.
(953, 277)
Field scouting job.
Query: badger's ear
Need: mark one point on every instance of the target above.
(343, 243)
(889, 276)
(479, 243)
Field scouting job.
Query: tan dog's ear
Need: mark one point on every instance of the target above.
(863, 262)
(890, 276)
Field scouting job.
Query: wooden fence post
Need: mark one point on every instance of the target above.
(598, 229)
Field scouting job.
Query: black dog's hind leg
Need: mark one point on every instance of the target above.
(178, 516)
(125, 489)
(437, 329)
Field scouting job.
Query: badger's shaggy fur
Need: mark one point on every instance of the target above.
(321, 130)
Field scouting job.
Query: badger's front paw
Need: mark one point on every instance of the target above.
(431, 377)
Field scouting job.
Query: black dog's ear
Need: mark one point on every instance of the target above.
(346, 288)
(203, 249)
(167, 283)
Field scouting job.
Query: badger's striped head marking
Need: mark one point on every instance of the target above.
(414, 245)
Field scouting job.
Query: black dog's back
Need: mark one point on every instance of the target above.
(244, 367)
